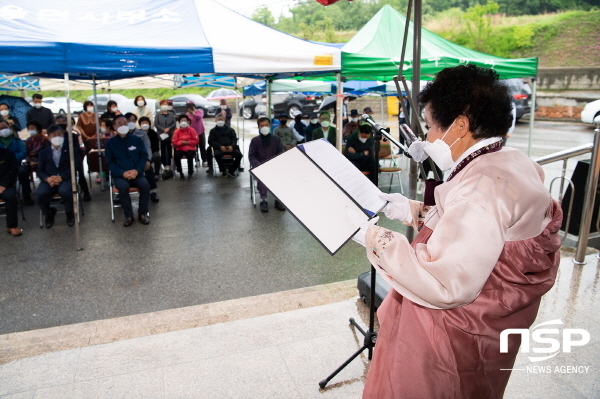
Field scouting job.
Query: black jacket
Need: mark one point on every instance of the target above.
(47, 168)
(9, 168)
(126, 153)
(222, 136)
(360, 148)
(43, 115)
(154, 141)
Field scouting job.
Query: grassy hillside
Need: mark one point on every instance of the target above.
(159, 94)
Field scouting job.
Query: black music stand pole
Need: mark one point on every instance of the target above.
(370, 335)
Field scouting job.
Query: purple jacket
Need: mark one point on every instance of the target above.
(197, 119)
(260, 153)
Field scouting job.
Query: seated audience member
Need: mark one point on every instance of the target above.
(262, 148)
(106, 128)
(61, 121)
(54, 170)
(9, 169)
(312, 126)
(154, 143)
(359, 150)
(13, 143)
(12, 121)
(326, 130)
(285, 133)
(148, 170)
(185, 142)
(127, 157)
(223, 141)
(34, 144)
(299, 127)
(86, 123)
(40, 113)
(197, 122)
(352, 125)
(112, 110)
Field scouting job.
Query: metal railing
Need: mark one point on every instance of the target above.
(590, 189)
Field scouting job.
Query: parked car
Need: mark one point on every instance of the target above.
(58, 105)
(521, 95)
(125, 104)
(590, 111)
(283, 103)
(209, 107)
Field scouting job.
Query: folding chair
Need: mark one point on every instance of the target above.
(226, 161)
(253, 189)
(385, 153)
(114, 193)
(56, 201)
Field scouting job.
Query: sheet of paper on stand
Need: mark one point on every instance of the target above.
(314, 198)
(344, 173)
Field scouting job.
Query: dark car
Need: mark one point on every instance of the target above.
(521, 95)
(209, 107)
(283, 103)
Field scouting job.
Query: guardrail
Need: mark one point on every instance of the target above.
(590, 189)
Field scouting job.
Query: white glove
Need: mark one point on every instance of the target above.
(359, 220)
(398, 207)
(418, 150)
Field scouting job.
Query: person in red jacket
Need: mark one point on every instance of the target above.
(185, 140)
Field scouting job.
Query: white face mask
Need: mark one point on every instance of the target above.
(4, 112)
(102, 130)
(264, 100)
(131, 125)
(164, 107)
(5, 132)
(220, 123)
(346, 102)
(145, 126)
(183, 124)
(169, 108)
(264, 130)
(90, 109)
(440, 152)
(223, 106)
(123, 130)
(353, 119)
(114, 109)
(363, 140)
(57, 141)
(33, 133)
(325, 123)
(140, 103)
(37, 105)
(314, 121)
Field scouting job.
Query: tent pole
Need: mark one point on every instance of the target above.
(72, 162)
(237, 123)
(381, 102)
(94, 84)
(339, 103)
(269, 82)
(532, 115)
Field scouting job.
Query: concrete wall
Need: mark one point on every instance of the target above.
(569, 78)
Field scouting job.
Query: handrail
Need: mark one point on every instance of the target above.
(566, 154)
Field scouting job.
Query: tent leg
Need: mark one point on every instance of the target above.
(531, 115)
(237, 123)
(381, 104)
(339, 103)
(269, 82)
(98, 132)
(72, 162)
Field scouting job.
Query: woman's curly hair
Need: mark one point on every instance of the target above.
(474, 92)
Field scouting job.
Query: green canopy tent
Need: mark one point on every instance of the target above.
(374, 53)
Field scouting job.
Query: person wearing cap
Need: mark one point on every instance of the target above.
(359, 150)
(352, 125)
(312, 126)
(299, 127)
(368, 111)
(226, 112)
(326, 130)
(285, 133)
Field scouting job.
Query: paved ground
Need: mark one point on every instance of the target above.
(276, 345)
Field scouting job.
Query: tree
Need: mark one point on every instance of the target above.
(479, 23)
(264, 16)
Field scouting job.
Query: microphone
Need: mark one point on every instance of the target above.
(408, 134)
(385, 131)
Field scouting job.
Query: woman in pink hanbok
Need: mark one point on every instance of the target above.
(487, 252)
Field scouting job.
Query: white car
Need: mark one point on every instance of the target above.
(590, 111)
(58, 105)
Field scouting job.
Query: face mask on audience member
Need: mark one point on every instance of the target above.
(223, 106)
(264, 130)
(5, 132)
(363, 139)
(353, 119)
(264, 100)
(140, 103)
(145, 126)
(314, 121)
(90, 109)
(169, 107)
(57, 141)
(37, 105)
(102, 130)
(325, 123)
(283, 122)
(131, 125)
(33, 133)
(114, 109)
(183, 124)
(220, 123)
(123, 130)
(164, 107)
(4, 112)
